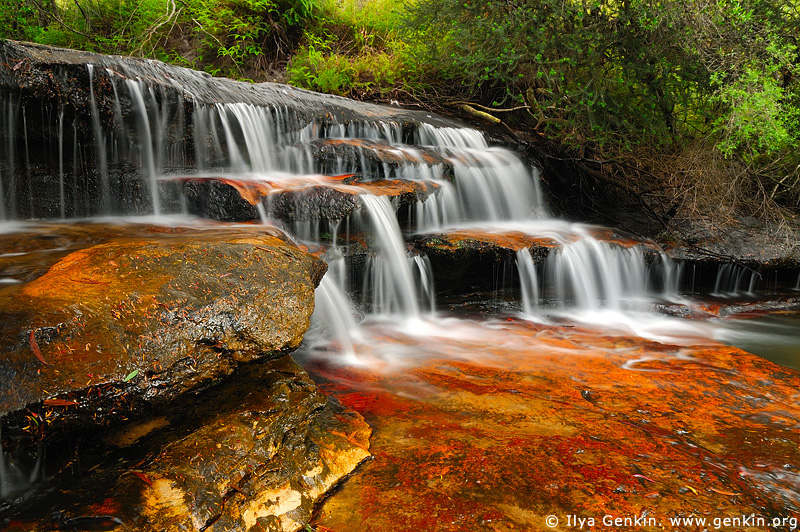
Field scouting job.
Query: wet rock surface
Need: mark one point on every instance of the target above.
(748, 241)
(254, 453)
(305, 198)
(45, 71)
(109, 319)
(91, 102)
(504, 424)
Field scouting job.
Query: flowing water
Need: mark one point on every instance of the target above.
(478, 188)
(376, 306)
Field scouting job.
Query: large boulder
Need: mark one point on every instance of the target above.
(142, 316)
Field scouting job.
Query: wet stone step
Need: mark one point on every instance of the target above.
(473, 259)
(293, 198)
(377, 158)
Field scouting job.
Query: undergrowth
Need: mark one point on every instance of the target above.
(355, 49)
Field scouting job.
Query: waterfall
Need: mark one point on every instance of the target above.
(150, 128)
(333, 307)
(732, 279)
(390, 277)
(529, 281)
(16, 477)
(591, 275)
(147, 159)
(100, 145)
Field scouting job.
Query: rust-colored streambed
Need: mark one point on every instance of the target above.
(510, 425)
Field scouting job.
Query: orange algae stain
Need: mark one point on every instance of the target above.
(107, 506)
(473, 445)
(513, 240)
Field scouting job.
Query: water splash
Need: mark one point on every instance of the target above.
(529, 281)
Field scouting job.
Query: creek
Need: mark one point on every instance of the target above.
(486, 341)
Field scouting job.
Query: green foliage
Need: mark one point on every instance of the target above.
(238, 38)
(242, 32)
(354, 50)
(755, 120)
(316, 67)
(615, 75)
(618, 74)
(18, 20)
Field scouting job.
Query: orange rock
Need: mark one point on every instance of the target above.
(532, 421)
(138, 315)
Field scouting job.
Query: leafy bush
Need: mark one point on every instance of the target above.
(240, 38)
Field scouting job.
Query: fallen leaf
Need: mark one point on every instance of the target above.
(131, 375)
(143, 477)
(693, 490)
(35, 347)
(644, 477)
(724, 492)
(59, 402)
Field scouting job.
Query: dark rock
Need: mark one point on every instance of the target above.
(371, 157)
(255, 453)
(90, 102)
(215, 199)
(297, 198)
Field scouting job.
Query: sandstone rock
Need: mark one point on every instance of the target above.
(293, 198)
(373, 157)
(498, 428)
(255, 453)
(141, 317)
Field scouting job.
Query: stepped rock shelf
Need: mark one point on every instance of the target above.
(165, 237)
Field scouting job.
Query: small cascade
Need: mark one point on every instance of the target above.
(100, 145)
(590, 275)
(61, 163)
(438, 211)
(147, 159)
(491, 184)
(390, 278)
(16, 477)
(423, 277)
(529, 281)
(734, 280)
(333, 308)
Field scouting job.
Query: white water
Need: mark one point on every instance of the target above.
(147, 160)
(584, 279)
(735, 281)
(100, 146)
(390, 277)
(529, 282)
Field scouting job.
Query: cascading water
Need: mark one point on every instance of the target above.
(477, 186)
(391, 277)
(735, 281)
(323, 175)
(147, 123)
